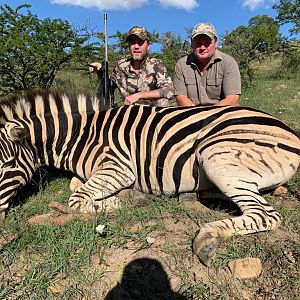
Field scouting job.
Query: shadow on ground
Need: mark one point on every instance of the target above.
(144, 278)
(40, 179)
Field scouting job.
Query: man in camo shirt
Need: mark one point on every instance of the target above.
(140, 79)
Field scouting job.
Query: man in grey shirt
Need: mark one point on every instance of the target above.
(207, 76)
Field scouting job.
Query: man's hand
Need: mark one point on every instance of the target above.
(183, 100)
(95, 67)
(229, 100)
(132, 99)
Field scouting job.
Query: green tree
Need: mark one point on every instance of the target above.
(265, 36)
(291, 58)
(238, 44)
(31, 50)
(173, 47)
(247, 43)
(289, 13)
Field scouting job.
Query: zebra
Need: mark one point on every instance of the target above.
(241, 151)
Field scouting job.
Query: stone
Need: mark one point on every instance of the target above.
(40, 219)
(175, 283)
(6, 239)
(187, 197)
(245, 268)
(59, 207)
(59, 286)
(280, 190)
(55, 218)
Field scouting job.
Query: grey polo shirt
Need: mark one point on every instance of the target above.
(220, 79)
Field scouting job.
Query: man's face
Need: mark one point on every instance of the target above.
(204, 47)
(138, 48)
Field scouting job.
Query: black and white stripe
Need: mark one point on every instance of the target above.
(239, 150)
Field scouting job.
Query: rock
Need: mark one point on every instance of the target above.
(55, 218)
(247, 295)
(60, 207)
(225, 274)
(245, 268)
(59, 286)
(175, 283)
(62, 219)
(190, 201)
(6, 239)
(95, 259)
(280, 190)
(187, 197)
(40, 219)
(289, 255)
(59, 192)
(56, 289)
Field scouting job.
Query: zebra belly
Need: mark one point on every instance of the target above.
(170, 183)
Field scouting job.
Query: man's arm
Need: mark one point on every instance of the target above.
(96, 68)
(180, 88)
(183, 100)
(149, 95)
(229, 100)
(231, 84)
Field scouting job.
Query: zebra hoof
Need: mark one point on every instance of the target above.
(75, 183)
(2, 214)
(205, 247)
(108, 204)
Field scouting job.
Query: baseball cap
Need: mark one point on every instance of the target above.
(139, 31)
(204, 28)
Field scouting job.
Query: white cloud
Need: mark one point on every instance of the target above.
(127, 4)
(182, 4)
(253, 4)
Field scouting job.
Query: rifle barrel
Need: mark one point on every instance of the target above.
(105, 37)
(106, 92)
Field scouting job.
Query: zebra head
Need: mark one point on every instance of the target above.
(16, 162)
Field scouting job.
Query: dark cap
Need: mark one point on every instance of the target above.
(138, 31)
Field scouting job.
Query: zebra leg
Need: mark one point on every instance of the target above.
(241, 186)
(75, 183)
(104, 183)
(2, 214)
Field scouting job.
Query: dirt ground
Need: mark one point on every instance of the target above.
(167, 269)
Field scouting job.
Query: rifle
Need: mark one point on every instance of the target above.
(107, 85)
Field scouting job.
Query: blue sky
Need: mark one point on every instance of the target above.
(159, 15)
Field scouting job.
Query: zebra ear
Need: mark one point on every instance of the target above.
(17, 132)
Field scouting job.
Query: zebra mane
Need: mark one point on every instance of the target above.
(32, 102)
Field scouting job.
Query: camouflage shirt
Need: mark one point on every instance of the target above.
(153, 76)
